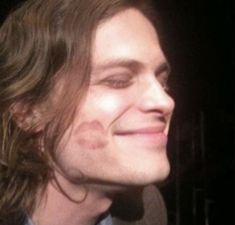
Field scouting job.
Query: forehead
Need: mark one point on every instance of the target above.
(127, 35)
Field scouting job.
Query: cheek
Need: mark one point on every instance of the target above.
(109, 106)
(98, 114)
(91, 135)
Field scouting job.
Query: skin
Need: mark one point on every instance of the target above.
(119, 135)
(91, 135)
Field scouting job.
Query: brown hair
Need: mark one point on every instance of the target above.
(41, 42)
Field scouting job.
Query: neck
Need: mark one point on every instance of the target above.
(70, 204)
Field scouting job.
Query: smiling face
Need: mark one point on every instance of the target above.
(119, 133)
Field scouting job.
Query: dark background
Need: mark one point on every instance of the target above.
(198, 40)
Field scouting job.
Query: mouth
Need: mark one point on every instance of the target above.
(144, 131)
(153, 136)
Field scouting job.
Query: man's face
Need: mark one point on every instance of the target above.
(119, 134)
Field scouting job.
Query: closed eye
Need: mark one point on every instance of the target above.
(119, 81)
(162, 75)
(163, 80)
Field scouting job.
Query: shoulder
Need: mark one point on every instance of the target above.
(140, 207)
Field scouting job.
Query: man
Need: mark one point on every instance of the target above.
(84, 113)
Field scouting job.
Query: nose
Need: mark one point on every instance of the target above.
(154, 98)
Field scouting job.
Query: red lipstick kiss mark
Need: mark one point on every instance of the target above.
(91, 135)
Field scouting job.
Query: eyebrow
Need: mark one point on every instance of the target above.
(133, 65)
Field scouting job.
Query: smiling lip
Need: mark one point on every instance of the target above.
(147, 130)
(153, 136)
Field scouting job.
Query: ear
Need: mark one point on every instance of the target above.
(27, 117)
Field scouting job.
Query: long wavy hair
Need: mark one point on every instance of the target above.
(41, 43)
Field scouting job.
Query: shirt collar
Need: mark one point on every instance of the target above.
(105, 221)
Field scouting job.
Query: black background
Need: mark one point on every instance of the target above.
(198, 40)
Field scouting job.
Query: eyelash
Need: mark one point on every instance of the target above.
(167, 88)
(122, 82)
(163, 80)
(118, 83)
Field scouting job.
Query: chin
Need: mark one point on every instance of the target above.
(151, 169)
(163, 174)
(155, 175)
(157, 172)
(146, 177)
